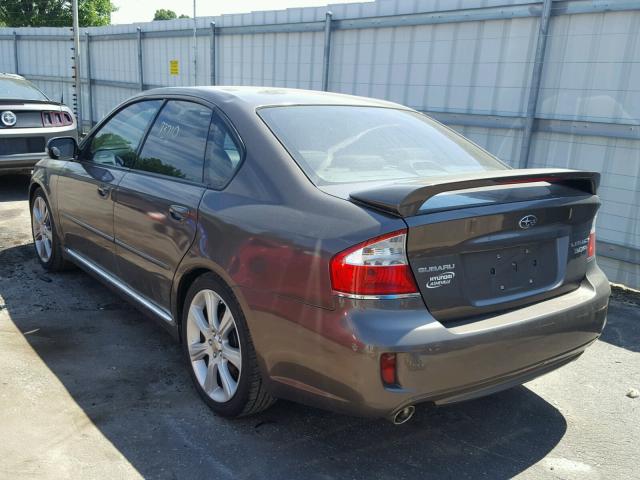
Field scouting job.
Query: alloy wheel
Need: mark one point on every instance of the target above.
(42, 232)
(214, 345)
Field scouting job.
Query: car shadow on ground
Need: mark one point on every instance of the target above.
(623, 325)
(127, 375)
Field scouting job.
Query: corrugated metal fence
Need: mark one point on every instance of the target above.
(567, 98)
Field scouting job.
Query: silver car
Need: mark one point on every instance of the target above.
(28, 119)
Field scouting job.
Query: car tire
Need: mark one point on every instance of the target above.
(46, 239)
(219, 352)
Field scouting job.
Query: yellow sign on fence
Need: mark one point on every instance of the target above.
(174, 67)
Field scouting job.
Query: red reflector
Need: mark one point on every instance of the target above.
(388, 368)
(591, 247)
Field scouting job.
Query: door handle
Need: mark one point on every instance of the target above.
(103, 191)
(179, 213)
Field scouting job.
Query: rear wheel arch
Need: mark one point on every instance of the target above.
(252, 394)
(184, 281)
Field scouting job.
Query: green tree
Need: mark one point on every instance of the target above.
(164, 14)
(151, 164)
(54, 13)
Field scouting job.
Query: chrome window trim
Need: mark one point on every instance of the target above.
(148, 304)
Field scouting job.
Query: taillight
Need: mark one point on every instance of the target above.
(388, 370)
(56, 119)
(591, 246)
(376, 267)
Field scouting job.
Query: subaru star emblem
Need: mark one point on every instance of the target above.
(8, 118)
(528, 221)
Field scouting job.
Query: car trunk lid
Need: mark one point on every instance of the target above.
(494, 241)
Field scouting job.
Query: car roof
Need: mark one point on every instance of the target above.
(13, 76)
(255, 97)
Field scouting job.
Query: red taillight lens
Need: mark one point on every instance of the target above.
(56, 119)
(376, 267)
(388, 368)
(591, 246)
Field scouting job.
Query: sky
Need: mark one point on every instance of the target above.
(130, 11)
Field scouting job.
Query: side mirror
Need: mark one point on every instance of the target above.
(62, 148)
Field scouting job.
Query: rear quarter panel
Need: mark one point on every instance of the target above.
(283, 245)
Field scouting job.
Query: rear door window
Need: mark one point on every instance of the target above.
(223, 154)
(117, 141)
(175, 146)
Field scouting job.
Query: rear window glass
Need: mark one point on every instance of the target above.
(19, 89)
(342, 144)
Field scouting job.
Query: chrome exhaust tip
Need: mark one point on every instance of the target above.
(403, 415)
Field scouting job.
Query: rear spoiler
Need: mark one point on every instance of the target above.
(406, 199)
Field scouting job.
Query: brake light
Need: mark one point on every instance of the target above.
(591, 246)
(56, 119)
(376, 267)
(388, 369)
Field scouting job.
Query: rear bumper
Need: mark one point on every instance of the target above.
(334, 362)
(20, 162)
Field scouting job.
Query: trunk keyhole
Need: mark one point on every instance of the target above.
(492, 271)
(514, 265)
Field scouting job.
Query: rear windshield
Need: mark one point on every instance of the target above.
(19, 89)
(344, 144)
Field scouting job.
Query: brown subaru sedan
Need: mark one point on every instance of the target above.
(344, 252)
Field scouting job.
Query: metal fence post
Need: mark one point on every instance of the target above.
(327, 51)
(140, 73)
(534, 90)
(15, 52)
(77, 62)
(89, 88)
(213, 53)
(195, 46)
